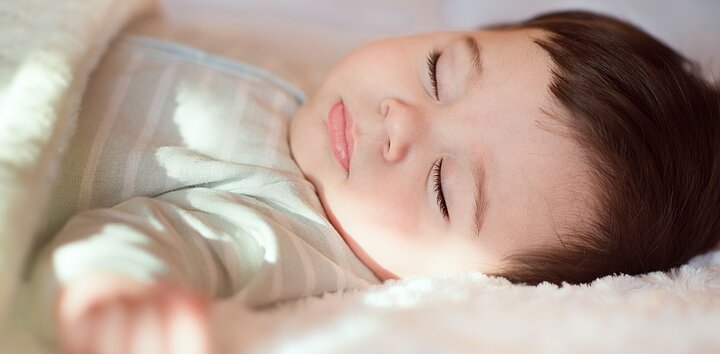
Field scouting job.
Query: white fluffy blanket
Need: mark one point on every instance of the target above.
(47, 50)
(675, 312)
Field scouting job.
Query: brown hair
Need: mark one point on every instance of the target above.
(650, 125)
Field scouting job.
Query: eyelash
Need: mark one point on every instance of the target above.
(437, 180)
(432, 61)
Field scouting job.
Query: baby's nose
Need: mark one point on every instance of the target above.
(404, 126)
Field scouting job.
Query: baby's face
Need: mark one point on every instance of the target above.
(428, 174)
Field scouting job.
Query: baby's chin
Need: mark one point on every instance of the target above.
(366, 258)
(294, 131)
(303, 140)
(380, 272)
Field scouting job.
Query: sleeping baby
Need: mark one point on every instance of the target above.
(561, 149)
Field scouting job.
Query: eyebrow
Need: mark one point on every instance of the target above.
(480, 197)
(479, 172)
(472, 45)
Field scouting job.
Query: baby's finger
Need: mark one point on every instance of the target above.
(146, 332)
(112, 329)
(77, 338)
(188, 331)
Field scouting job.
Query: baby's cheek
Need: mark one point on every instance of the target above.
(387, 213)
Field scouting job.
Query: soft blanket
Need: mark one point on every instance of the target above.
(675, 312)
(47, 50)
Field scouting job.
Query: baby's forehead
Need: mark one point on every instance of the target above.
(543, 182)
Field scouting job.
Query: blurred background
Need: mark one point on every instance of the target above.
(300, 39)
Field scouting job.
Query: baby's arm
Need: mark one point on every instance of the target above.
(142, 257)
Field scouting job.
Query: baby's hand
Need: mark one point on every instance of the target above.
(113, 314)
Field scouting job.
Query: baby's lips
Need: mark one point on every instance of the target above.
(337, 128)
(349, 133)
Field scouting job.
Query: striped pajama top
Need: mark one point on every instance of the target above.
(180, 169)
